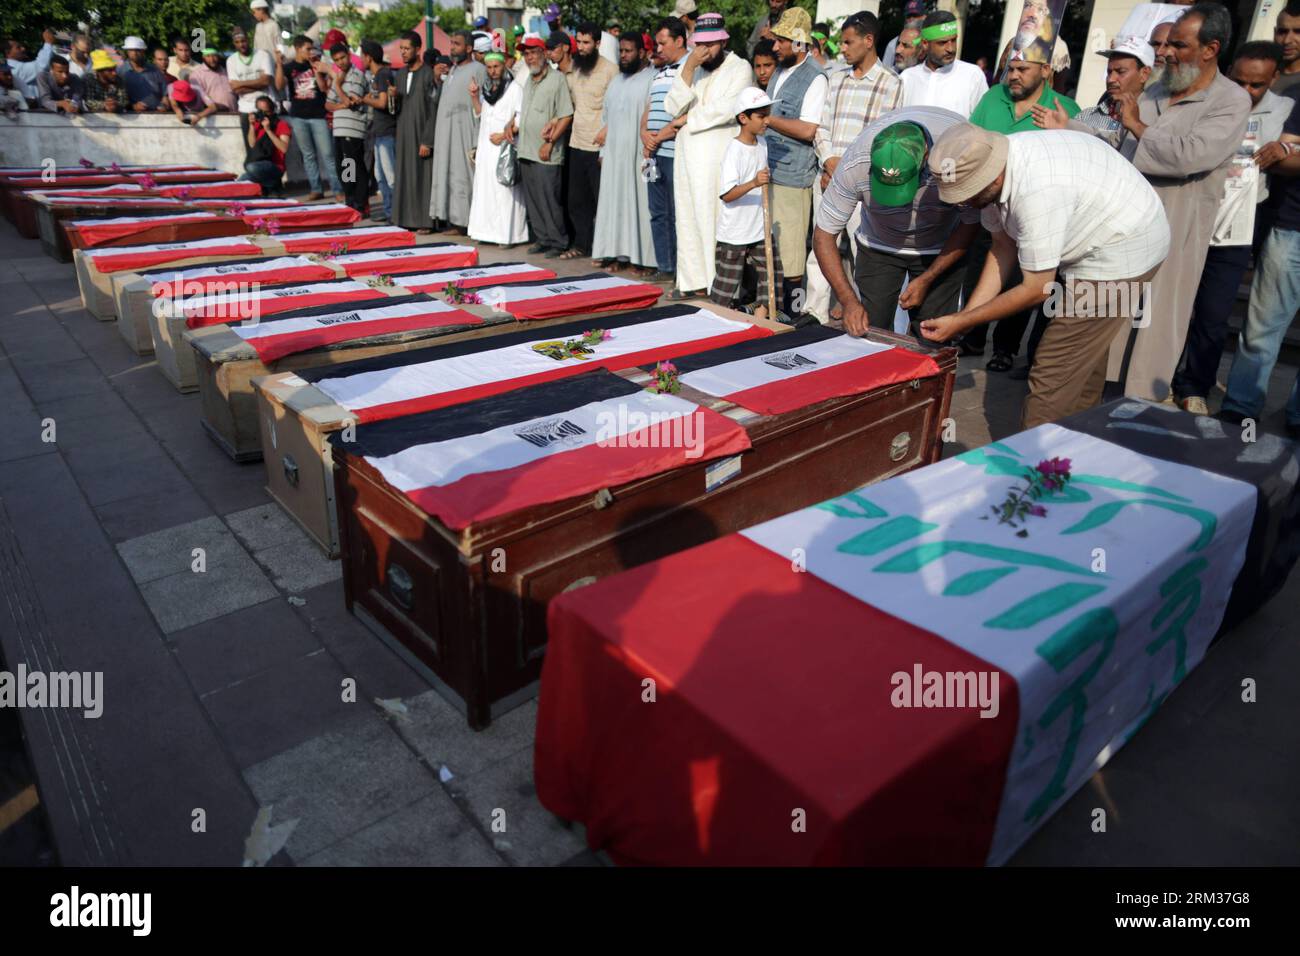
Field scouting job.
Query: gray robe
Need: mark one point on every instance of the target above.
(623, 212)
(453, 177)
(1184, 153)
(415, 128)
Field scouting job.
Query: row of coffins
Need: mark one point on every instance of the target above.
(769, 624)
(313, 350)
(917, 672)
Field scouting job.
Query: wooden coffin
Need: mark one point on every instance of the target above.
(468, 608)
(207, 224)
(50, 214)
(295, 420)
(134, 292)
(170, 325)
(176, 356)
(165, 230)
(225, 366)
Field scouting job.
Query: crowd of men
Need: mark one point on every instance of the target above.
(905, 189)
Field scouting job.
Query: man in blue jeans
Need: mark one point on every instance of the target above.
(1275, 290)
(306, 81)
(657, 134)
(383, 123)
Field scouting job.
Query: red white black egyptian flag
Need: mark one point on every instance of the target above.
(298, 330)
(112, 202)
(474, 277)
(801, 368)
(217, 308)
(423, 379)
(548, 299)
(214, 277)
(234, 189)
(304, 217)
(366, 237)
(539, 445)
(97, 232)
(434, 255)
(135, 258)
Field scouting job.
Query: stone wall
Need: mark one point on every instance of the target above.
(130, 138)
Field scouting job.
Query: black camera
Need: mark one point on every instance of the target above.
(260, 115)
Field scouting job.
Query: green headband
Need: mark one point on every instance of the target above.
(940, 31)
(493, 57)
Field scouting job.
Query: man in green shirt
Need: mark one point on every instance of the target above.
(545, 114)
(1008, 108)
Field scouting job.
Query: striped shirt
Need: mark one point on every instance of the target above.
(660, 117)
(851, 103)
(349, 122)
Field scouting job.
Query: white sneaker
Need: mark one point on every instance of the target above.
(1195, 405)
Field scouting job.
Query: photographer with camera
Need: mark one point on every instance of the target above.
(268, 141)
(346, 101)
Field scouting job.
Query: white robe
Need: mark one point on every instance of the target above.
(710, 127)
(496, 213)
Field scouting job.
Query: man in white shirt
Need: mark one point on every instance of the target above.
(249, 72)
(940, 79)
(1060, 203)
(798, 92)
(266, 34)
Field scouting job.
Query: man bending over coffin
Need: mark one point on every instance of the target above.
(905, 231)
(1058, 203)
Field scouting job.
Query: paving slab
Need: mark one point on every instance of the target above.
(503, 800)
(438, 732)
(430, 831)
(341, 782)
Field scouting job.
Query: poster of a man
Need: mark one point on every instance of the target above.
(1036, 34)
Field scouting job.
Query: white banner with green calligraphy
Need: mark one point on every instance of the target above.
(1097, 597)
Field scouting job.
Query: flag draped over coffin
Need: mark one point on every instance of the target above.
(778, 680)
(542, 444)
(438, 376)
(801, 368)
(300, 330)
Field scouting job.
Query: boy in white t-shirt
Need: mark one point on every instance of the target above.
(740, 228)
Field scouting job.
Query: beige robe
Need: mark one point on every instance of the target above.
(1185, 154)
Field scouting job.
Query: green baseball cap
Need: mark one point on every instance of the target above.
(897, 157)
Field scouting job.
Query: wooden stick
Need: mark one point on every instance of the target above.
(767, 255)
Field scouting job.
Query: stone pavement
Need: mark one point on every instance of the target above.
(225, 690)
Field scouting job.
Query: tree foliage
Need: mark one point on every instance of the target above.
(384, 25)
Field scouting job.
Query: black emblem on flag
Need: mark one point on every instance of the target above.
(394, 255)
(284, 292)
(340, 319)
(225, 269)
(550, 432)
(787, 361)
(564, 288)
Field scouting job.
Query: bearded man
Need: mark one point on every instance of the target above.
(1188, 128)
(704, 91)
(457, 125)
(588, 81)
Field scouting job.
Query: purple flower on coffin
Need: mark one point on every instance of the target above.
(147, 181)
(85, 163)
(237, 209)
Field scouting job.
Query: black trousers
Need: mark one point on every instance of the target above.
(879, 277)
(542, 186)
(584, 188)
(1007, 332)
(353, 175)
(1215, 296)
